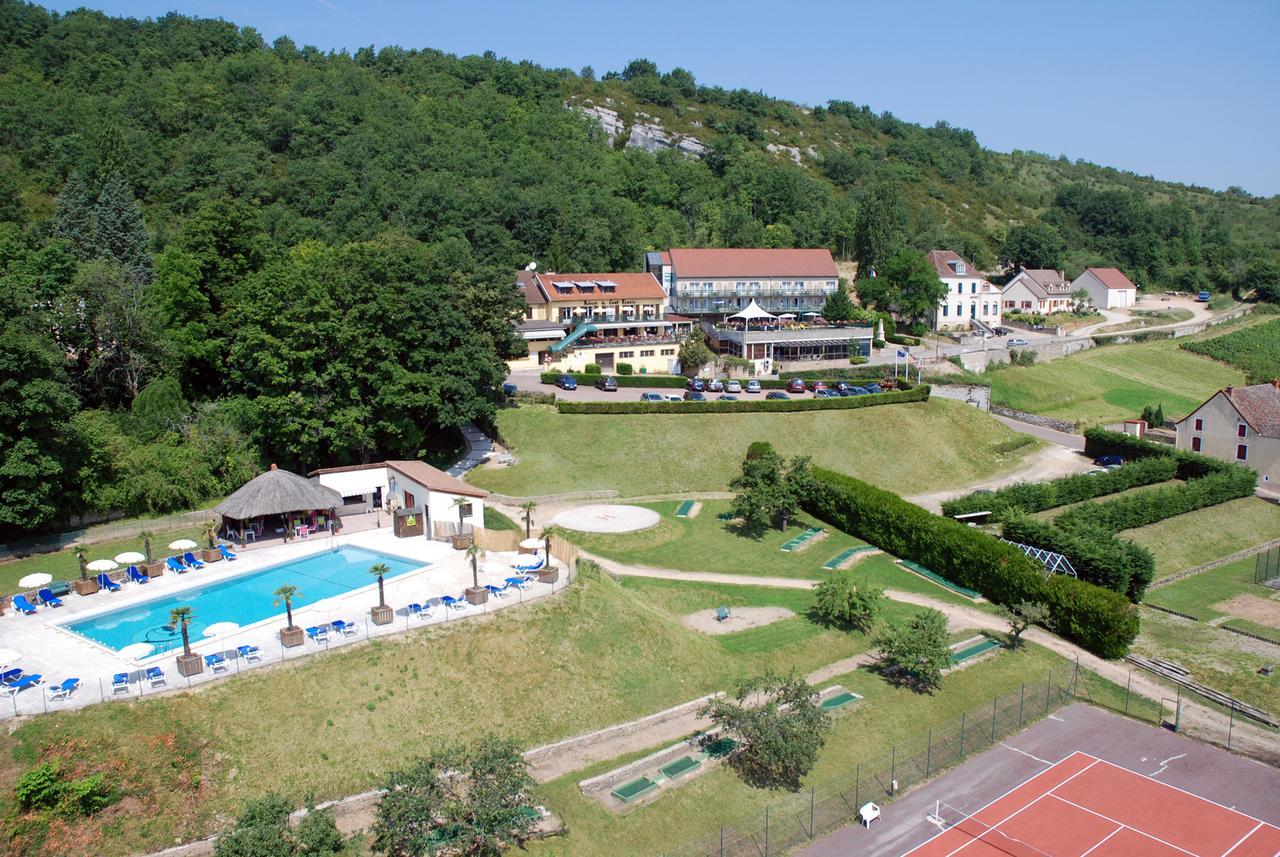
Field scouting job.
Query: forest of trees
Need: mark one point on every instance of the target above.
(217, 253)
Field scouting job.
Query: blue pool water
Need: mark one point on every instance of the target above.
(244, 600)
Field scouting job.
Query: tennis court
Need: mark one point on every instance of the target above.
(1085, 805)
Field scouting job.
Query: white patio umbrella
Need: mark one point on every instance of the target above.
(221, 629)
(102, 565)
(183, 545)
(33, 580)
(811, 314)
(8, 656)
(787, 315)
(134, 651)
(130, 557)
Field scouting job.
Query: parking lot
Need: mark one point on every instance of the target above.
(530, 380)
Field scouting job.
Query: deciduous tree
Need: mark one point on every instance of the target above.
(843, 599)
(916, 653)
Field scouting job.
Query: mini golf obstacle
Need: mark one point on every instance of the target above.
(683, 765)
(939, 579)
(796, 543)
(607, 518)
(844, 556)
(838, 699)
(685, 508)
(967, 652)
(627, 792)
(646, 779)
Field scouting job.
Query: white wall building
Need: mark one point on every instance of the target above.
(1239, 424)
(710, 283)
(1108, 288)
(1037, 290)
(970, 302)
(409, 485)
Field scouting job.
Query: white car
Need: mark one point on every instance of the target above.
(1017, 342)
(733, 387)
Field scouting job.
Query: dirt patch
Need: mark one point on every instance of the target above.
(1264, 611)
(740, 619)
(1048, 463)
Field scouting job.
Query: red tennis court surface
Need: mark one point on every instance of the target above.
(1083, 805)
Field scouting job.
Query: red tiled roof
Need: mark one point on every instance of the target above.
(1112, 278)
(435, 480)
(751, 262)
(630, 286)
(525, 283)
(1259, 404)
(941, 259)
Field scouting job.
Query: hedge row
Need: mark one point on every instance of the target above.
(1098, 557)
(1102, 621)
(1148, 507)
(844, 403)
(623, 380)
(1191, 465)
(1038, 496)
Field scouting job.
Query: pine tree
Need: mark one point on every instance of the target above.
(838, 307)
(118, 229)
(73, 221)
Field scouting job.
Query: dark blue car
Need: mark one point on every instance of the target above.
(566, 382)
(1110, 461)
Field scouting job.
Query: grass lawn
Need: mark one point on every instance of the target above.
(63, 564)
(906, 448)
(697, 809)
(1185, 541)
(708, 544)
(1114, 382)
(495, 520)
(1197, 595)
(333, 724)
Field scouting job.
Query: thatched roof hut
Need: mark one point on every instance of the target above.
(277, 492)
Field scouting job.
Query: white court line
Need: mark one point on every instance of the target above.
(1102, 840)
(1243, 838)
(1028, 755)
(1122, 824)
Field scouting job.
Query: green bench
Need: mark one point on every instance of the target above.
(939, 579)
(685, 508)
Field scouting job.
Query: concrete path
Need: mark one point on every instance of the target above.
(1049, 463)
(478, 448)
(1060, 438)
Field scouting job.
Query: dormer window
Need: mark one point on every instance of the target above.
(957, 266)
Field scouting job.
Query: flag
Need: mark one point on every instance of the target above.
(901, 353)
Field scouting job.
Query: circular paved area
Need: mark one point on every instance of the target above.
(607, 518)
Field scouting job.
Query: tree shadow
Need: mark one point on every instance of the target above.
(897, 676)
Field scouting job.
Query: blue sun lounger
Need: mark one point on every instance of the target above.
(227, 553)
(190, 559)
(455, 603)
(136, 576)
(250, 653)
(318, 634)
(175, 565)
(343, 627)
(416, 609)
(21, 604)
(46, 596)
(215, 662)
(155, 676)
(120, 683)
(13, 688)
(10, 675)
(64, 690)
(107, 583)
(497, 591)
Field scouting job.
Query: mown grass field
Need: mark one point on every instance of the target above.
(63, 564)
(708, 544)
(1204, 535)
(906, 448)
(335, 723)
(1114, 382)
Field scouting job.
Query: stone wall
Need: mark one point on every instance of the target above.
(1033, 419)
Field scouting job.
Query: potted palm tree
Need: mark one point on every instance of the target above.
(528, 507)
(211, 552)
(152, 567)
(189, 662)
(381, 614)
(549, 574)
(461, 541)
(476, 594)
(86, 585)
(290, 634)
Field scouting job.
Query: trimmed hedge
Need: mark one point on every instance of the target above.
(844, 403)
(864, 375)
(1191, 465)
(1038, 496)
(623, 380)
(1138, 510)
(1098, 557)
(1100, 620)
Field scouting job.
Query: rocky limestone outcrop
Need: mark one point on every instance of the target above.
(792, 152)
(650, 136)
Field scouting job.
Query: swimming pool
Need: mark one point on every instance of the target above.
(243, 600)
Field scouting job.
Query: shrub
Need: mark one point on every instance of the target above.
(857, 359)
(918, 394)
(592, 369)
(40, 787)
(844, 600)
(1099, 558)
(1100, 620)
(46, 787)
(625, 369)
(1191, 465)
(1148, 507)
(1038, 496)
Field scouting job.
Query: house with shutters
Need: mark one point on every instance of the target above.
(1239, 424)
(971, 302)
(1037, 290)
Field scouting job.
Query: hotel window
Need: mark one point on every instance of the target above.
(1195, 444)
(1241, 431)
(946, 310)
(985, 309)
(959, 310)
(648, 353)
(1242, 452)
(973, 288)
(667, 352)
(1199, 424)
(959, 288)
(623, 355)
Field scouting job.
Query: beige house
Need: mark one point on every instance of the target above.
(1239, 424)
(971, 302)
(1108, 288)
(1037, 290)
(406, 485)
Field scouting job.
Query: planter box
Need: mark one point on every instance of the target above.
(549, 575)
(460, 543)
(382, 614)
(153, 569)
(477, 595)
(211, 555)
(291, 637)
(189, 665)
(86, 587)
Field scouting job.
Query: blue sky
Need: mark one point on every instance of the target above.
(1186, 91)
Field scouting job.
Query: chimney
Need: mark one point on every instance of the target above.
(1226, 392)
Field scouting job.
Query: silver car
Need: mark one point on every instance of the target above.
(733, 387)
(715, 385)
(753, 386)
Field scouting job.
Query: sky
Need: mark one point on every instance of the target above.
(1185, 91)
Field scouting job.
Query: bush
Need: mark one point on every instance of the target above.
(1148, 507)
(918, 394)
(1038, 496)
(845, 601)
(1099, 558)
(625, 369)
(858, 359)
(40, 787)
(1191, 465)
(1100, 620)
(592, 369)
(46, 787)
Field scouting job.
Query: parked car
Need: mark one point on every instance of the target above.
(1017, 342)
(1001, 331)
(652, 397)
(873, 387)
(776, 394)
(733, 386)
(753, 386)
(1109, 461)
(715, 385)
(841, 386)
(1203, 297)
(825, 394)
(795, 385)
(566, 382)
(857, 391)
(696, 385)
(728, 397)
(674, 397)
(694, 396)
(815, 386)
(609, 385)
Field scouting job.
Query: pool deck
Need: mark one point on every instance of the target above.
(57, 653)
